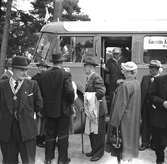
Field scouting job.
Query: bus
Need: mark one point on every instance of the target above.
(140, 41)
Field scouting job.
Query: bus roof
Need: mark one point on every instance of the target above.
(106, 27)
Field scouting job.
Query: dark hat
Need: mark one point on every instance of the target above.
(57, 58)
(20, 62)
(90, 60)
(155, 63)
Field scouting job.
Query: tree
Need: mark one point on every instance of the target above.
(70, 11)
(24, 27)
(5, 36)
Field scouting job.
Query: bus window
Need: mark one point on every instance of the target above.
(75, 48)
(43, 47)
(155, 48)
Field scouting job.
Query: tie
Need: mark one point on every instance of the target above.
(16, 85)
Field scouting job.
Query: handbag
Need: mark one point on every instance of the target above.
(114, 139)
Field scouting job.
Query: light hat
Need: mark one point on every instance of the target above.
(155, 63)
(128, 66)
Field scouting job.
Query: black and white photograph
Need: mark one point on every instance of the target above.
(83, 82)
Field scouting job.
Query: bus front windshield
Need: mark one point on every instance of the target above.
(73, 48)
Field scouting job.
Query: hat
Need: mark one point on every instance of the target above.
(90, 60)
(20, 62)
(129, 66)
(109, 50)
(57, 58)
(155, 63)
(117, 50)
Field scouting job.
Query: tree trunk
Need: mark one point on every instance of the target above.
(5, 36)
(57, 10)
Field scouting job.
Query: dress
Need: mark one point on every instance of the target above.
(126, 114)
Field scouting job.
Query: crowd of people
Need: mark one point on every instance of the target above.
(136, 109)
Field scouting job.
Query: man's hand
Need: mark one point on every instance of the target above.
(165, 104)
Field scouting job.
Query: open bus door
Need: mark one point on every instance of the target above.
(108, 44)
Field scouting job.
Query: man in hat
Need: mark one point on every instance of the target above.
(95, 84)
(113, 70)
(58, 95)
(158, 121)
(155, 69)
(19, 99)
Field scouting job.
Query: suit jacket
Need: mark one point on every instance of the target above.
(96, 84)
(158, 94)
(30, 101)
(114, 71)
(57, 92)
(146, 104)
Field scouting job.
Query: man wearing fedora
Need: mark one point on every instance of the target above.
(58, 95)
(19, 99)
(155, 69)
(95, 84)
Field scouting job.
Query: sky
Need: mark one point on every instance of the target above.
(108, 10)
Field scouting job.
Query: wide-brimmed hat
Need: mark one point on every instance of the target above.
(90, 60)
(155, 63)
(128, 66)
(57, 58)
(20, 62)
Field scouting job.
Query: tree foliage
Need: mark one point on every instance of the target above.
(24, 27)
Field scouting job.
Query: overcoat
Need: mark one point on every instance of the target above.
(126, 114)
(30, 101)
(158, 94)
(59, 96)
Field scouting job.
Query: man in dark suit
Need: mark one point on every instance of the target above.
(155, 70)
(58, 95)
(113, 72)
(19, 99)
(158, 96)
(95, 84)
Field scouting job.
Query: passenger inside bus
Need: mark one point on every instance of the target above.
(112, 70)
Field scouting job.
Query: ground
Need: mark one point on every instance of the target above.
(77, 157)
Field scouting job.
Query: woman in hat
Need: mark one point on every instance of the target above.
(126, 111)
(95, 84)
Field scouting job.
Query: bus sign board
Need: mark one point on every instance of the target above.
(155, 42)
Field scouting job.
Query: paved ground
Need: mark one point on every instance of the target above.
(75, 153)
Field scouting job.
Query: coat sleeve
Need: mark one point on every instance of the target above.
(68, 88)
(99, 87)
(119, 105)
(38, 102)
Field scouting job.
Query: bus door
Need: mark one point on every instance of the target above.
(109, 43)
(107, 46)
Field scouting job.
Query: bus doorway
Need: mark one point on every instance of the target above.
(109, 43)
(115, 50)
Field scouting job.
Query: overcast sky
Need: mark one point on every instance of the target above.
(107, 10)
